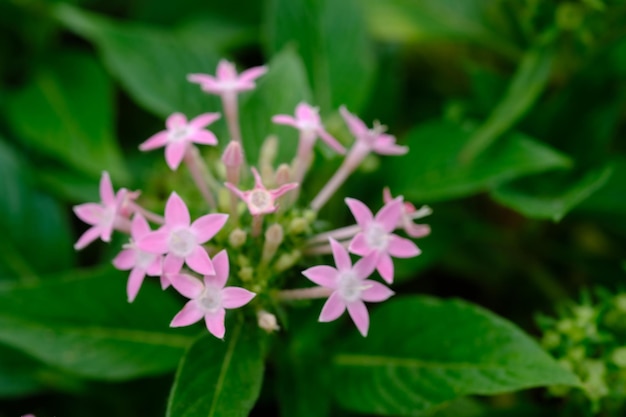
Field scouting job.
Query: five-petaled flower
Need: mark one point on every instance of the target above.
(138, 261)
(350, 286)
(227, 80)
(180, 134)
(376, 235)
(260, 200)
(182, 240)
(209, 298)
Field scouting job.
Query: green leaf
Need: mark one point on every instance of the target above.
(551, 196)
(278, 92)
(431, 171)
(82, 324)
(609, 199)
(67, 112)
(340, 62)
(422, 352)
(527, 84)
(219, 378)
(18, 373)
(151, 64)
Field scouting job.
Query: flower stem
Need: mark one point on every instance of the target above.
(304, 293)
(337, 234)
(323, 249)
(153, 217)
(198, 169)
(231, 111)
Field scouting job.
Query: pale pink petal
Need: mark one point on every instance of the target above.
(226, 71)
(283, 189)
(107, 195)
(400, 247)
(362, 214)
(333, 308)
(341, 256)
(174, 153)
(375, 292)
(387, 195)
(207, 226)
(241, 194)
(359, 245)
(165, 281)
(222, 267)
(154, 242)
(200, 262)
(215, 323)
(139, 227)
(416, 230)
(175, 120)
(86, 238)
(283, 119)
(235, 297)
(156, 267)
(307, 113)
(386, 145)
(172, 264)
(133, 285)
(258, 181)
(203, 120)
(125, 260)
(190, 287)
(331, 141)
(356, 125)
(385, 267)
(90, 213)
(389, 216)
(252, 74)
(204, 137)
(190, 314)
(158, 140)
(365, 266)
(106, 230)
(360, 316)
(323, 275)
(201, 79)
(176, 212)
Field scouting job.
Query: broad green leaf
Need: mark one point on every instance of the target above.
(340, 62)
(422, 352)
(551, 196)
(431, 171)
(71, 100)
(18, 373)
(151, 64)
(526, 86)
(82, 324)
(218, 378)
(609, 199)
(278, 92)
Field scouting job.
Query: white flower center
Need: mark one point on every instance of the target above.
(182, 242)
(179, 133)
(261, 200)
(376, 237)
(211, 300)
(143, 259)
(350, 287)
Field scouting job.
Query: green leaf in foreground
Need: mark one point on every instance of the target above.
(219, 378)
(82, 324)
(431, 171)
(551, 196)
(422, 352)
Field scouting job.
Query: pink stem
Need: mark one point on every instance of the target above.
(304, 293)
(196, 166)
(231, 111)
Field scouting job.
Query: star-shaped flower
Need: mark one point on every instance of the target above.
(260, 200)
(376, 235)
(102, 216)
(182, 240)
(180, 134)
(138, 261)
(350, 287)
(227, 80)
(375, 138)
(209, 297)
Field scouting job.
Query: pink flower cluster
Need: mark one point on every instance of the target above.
(191, 256)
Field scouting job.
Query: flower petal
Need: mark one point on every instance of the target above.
(252, 74)
(221, 266)
(107, 195)
(203, 120)
(225, 71)
(356, 125)
(86, 238)
(187, 285)
(389, 216)
(190, 314)
(323, 275)
(283, 189)
(125, 260)
(215, 323)
(360, 316)
(175, 120)
(362, 214)
(165, 281)
(341, 256)
(331, 141)
(135, 279)
(235, 297)
(90, 213)
(154, 242)
(204, 137)
(359, 245)
(174, 153)
(208, 226)
(158, 140)
(139, 227)
(385, 267)
(200, 262)
(283, 119)
(375, 292)
(333, 308)
(400, 247)
(156, 267)
(176, 212)
(172, 264)
(365, 266)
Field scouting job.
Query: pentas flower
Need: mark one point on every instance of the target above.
(260, 200)
(376, 235)
(180, 134)
(308, 122)
(103, 216)
(410, 213)
(375, 138)
(227, 80)
(209, 297)
(350, 287)
(138, 261)
(182, 240)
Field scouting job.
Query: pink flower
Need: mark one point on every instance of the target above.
(103, 216)
(138, 261)
(227, 80)
(376, 238)
(349, 287)
(410, 213)
(182, 241)
(375, 138)
(260, 200)
(308, 122)
(180, 134)
(209, 298)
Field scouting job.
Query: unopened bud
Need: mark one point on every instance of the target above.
(237, 238)
(274, 236)
(233, 155)
(246, 273)
(267, 321)
(298, 226)
(287, 260)
(268, 151)
(283, 175)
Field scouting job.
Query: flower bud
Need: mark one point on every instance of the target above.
(267, 321)
(237, 238)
